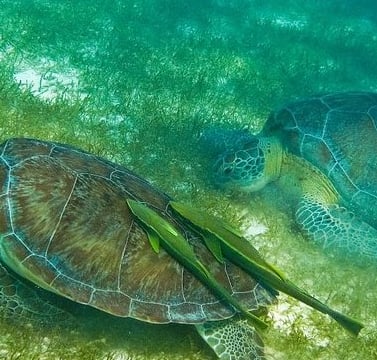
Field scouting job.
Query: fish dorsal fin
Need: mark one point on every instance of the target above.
(214, 246)
(154, 240)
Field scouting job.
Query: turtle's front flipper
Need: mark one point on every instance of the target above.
(232, 339)
(337, 229)
(20, 302)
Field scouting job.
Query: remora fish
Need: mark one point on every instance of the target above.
(160, 231)
(223, 240)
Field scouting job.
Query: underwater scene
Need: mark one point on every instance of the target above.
(175, 91)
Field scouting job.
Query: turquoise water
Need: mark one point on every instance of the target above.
(137, 82)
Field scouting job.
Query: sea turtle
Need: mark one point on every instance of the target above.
(321, 151)
(84, 228)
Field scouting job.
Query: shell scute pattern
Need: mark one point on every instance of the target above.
(64, 217)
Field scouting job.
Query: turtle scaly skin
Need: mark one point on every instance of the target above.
(320, 150)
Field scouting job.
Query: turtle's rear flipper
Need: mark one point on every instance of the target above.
(232, 339)
(24, 303)
(337, 229)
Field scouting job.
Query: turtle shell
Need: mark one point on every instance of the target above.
(65, 220)
(337, 133)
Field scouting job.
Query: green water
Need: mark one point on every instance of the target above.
(136, 82)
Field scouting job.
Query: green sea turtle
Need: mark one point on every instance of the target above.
(94, 232)
(321, 151)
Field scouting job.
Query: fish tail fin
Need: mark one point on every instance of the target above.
(352, 325)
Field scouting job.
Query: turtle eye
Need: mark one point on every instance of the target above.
(253, 143)
(227, 170)
(229, 158)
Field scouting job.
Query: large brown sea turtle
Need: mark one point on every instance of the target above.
(89, 230)
(322, 152)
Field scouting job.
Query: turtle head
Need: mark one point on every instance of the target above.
(251, 164)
